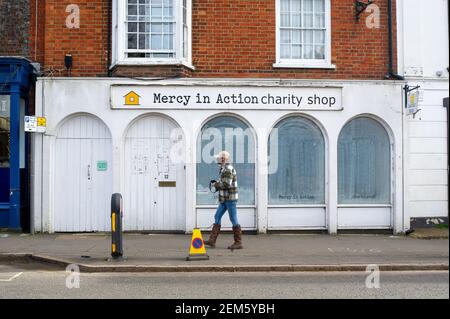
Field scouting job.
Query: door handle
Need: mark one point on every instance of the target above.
(89, 172)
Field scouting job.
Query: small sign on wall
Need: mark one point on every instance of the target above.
(413, 102)
(102, 166)
(35, 124)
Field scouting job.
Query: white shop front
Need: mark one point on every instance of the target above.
(310, 155)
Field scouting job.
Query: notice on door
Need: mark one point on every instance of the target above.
(226, 97)
(102, 166)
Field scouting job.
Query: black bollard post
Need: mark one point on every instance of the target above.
(116, 226)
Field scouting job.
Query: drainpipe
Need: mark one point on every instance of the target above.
(108, 66)
(391, 74)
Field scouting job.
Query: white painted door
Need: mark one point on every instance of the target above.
(154, 196)
(83, 177)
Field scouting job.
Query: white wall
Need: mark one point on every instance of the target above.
(422, 55)
(426, 157)
(59, 98)
(422, 38)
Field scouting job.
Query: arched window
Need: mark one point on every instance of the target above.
(297, 163)
(364, 163)
(233, 135)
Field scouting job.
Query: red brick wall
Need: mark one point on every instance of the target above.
(14, 28)
(231, 38)
(37, 38)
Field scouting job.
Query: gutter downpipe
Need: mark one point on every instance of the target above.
(391, 74)
(109, 38)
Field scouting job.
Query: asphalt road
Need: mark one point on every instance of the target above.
(31, 283)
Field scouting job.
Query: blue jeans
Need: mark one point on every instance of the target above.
(229, 205)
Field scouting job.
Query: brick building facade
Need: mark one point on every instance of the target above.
(312, 79)
(232, 38)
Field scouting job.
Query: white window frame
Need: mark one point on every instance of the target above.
(119, 45)
(304, 63)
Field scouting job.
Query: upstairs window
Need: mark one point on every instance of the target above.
(153, 31)
(303, 33)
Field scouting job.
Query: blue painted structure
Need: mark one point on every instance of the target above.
(16, 78)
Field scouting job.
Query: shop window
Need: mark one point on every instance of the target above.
(4, 131)
(299, 177)
(303, 33)
(152, 32)
(233, 135)
(364, 163)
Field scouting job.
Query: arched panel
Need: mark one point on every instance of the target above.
(235, 136)
(154, 175)
(299, 177)
(83, 170)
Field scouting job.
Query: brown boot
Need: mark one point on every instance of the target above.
(213, 236)
(237, 232)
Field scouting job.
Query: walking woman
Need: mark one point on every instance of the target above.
(228, 196)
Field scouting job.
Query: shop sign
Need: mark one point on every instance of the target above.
(413, 102)
(226, 97)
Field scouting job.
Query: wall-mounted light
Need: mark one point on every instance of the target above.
(68, 62)
(360, 6)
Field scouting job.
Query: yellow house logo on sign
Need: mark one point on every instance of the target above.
(132, 98)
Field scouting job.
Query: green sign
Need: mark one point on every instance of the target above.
(102, 166)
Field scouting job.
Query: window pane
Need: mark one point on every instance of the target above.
(296, 51)
(296, 37)
(300, 176)
(132, 41)
(142, 41)
(132, 10)
(156, 42)
(151, 14)
(308, 52)
(285, 36)
(319, 6)
(285, 20)
(364, 163)
(308, 5)
(156, 27)
(319, 37)
(285, 51)
(306, 18)
(132, 27)
(4, 130)
(233, 135)
(319, 20)
(296, 21)
(319, 52)
(296, 5)
(308, 37)
(284, 5)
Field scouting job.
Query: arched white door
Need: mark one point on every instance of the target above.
(83, 176)
(154, 196)
(364, 176)
(297, 179)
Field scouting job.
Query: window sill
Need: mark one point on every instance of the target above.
(153, 63)
(288, 65)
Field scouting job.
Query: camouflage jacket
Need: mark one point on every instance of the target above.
(227, 184)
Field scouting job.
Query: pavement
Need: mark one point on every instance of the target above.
(430, 233)
(261, 253)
